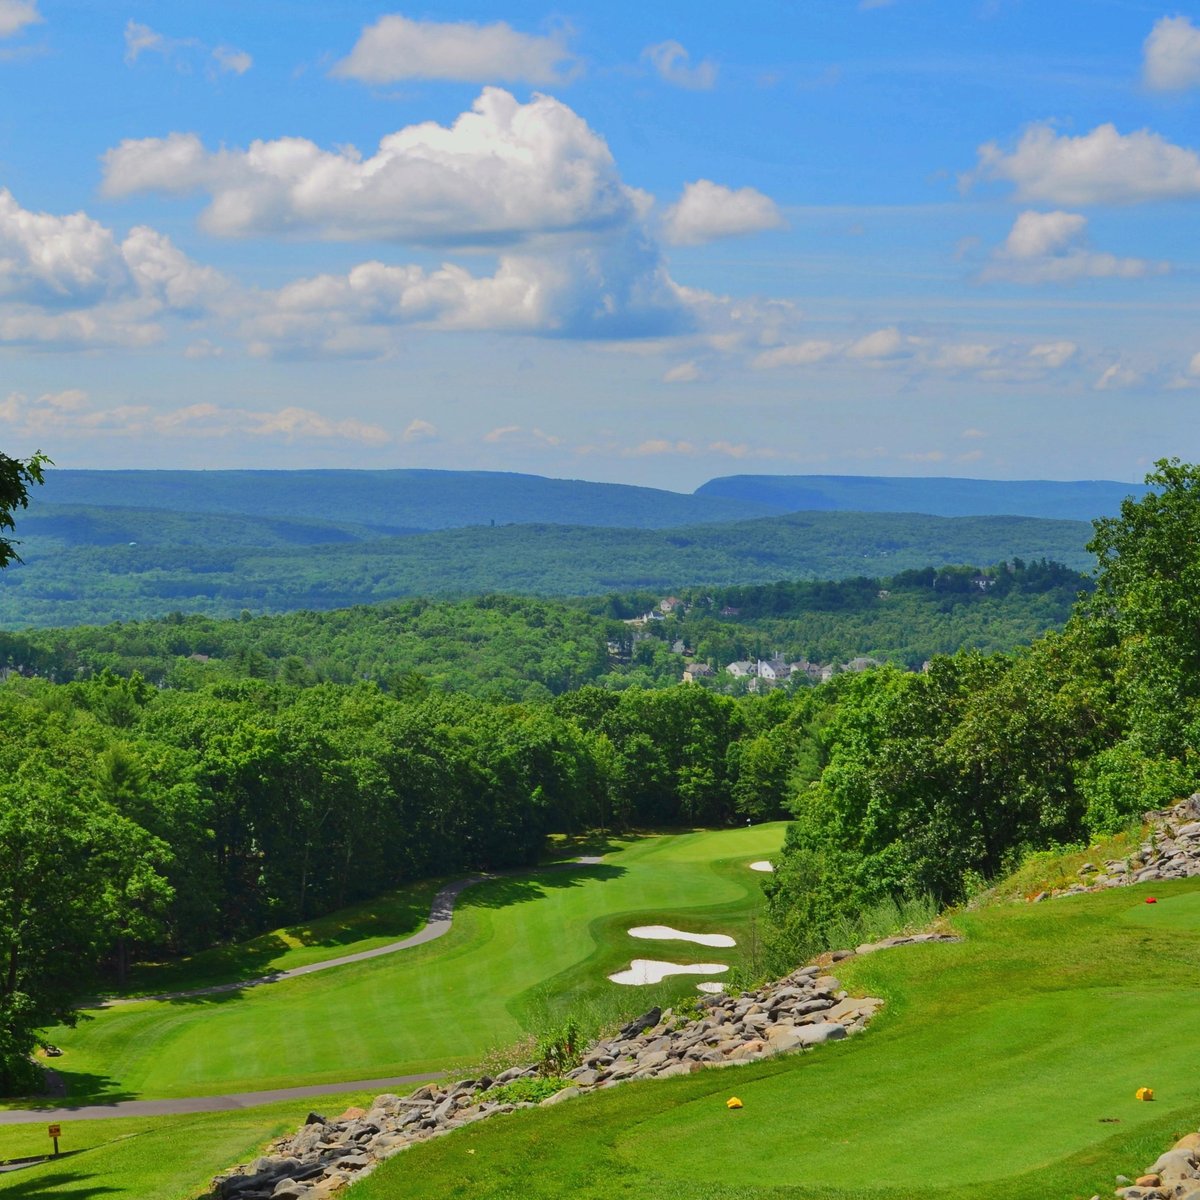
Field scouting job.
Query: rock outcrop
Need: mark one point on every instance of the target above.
(1175, 1175)
(1171, 851)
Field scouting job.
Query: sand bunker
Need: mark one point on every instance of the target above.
(761, 865)
(647, 970)
(711, 986)
(666, 934)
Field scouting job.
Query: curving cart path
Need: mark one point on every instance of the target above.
(441, 917)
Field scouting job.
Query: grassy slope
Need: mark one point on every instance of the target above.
(514, 943)
(997, 1071)
(360, 927)
(149, 1158)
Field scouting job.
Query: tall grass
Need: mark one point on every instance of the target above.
(885, 918)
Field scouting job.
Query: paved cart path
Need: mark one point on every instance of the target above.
(441, 916)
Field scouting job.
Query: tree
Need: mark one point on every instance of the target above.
(16, 477)
(1148, 600)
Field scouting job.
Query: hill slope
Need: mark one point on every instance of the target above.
(402, 498)
(1077, 500)
(87, 584)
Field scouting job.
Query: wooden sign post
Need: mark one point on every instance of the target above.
(55, 1131)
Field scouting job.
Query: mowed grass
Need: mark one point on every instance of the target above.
(1003, 1067)
(149, 1158)
(363, 926)
(521, 949)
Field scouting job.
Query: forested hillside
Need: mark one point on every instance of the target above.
(1074, 500)
(520, 648)
(67, 584)
(401, 498)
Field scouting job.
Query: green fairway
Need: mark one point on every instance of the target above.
(519, 947)
(361, 927)
(148, 1158)
(1003, 1067)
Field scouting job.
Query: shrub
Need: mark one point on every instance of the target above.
(526, 1091)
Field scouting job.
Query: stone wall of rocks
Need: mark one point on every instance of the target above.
(804, 1009)
(1171, 851)
(1175, 1175)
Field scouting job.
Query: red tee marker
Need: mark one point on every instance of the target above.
(1151, 900)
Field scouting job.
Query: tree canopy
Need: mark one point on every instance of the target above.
(16, 477)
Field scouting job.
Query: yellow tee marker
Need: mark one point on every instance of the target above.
(733, 1102)
(1145, 1094)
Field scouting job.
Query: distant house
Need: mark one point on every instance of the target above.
(695, 671)
(860, 664)
(741, 670)
(200, 658)
(775, 669)
(678, 647)
(983, 582)
(730, 611)
(670, 604)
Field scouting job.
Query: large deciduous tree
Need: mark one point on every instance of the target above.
(16, 477)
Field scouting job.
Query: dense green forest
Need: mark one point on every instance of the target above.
(517, 648)
(62, 584)
(139, 820)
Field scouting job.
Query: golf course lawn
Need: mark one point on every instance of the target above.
(149, 1158)
(520, 949)
(1003, 1067)
(361, 927)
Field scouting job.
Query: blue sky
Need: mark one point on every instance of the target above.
(647, 243)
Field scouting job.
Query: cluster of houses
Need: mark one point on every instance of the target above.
(758, 673)
(770, 672)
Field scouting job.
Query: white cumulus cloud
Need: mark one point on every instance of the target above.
(1101, 167)
(419, 431)
(1116, 375)
(66, 279)
(795, 354)
(1051, 247)
(1053, 354)
(1171, 55)
(16, 14)
(501, 172)
(674, 65)
(707, 211)
(183, 53)
(882, 344)
(686, 372)
(397, 47)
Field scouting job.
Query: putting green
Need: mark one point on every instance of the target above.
(1175, 912)
(517, 946)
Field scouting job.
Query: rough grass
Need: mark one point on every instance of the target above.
(522, 952)
(1003, 1067)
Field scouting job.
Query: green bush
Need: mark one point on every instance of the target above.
(526, 1091)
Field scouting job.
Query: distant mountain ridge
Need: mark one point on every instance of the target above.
(939, 496)
(396, 499)
(402, 500)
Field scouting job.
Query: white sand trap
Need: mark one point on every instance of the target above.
(711, 986)
(647, 970)
(665, 933)
(761, 865)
